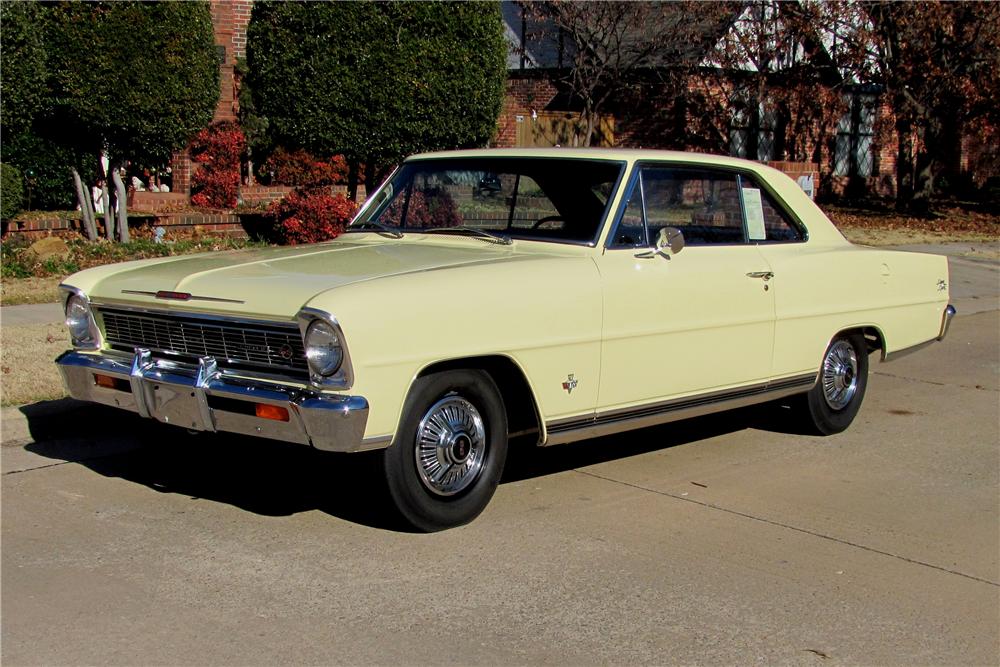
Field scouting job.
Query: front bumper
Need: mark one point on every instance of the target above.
(206, 398)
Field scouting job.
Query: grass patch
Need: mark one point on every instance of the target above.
(19, 291)
(17, 262)
(27, 371)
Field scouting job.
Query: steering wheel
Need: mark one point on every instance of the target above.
(548, 218)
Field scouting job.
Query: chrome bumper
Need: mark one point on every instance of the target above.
(949, 313)
(206, 398)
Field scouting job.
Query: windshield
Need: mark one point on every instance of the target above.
(556, 199)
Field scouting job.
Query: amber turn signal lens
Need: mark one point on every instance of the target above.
(105, 381)
(272, 412)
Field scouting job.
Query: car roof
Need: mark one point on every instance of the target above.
(611, 154)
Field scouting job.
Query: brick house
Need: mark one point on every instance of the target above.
(850, 143)
(715, 107)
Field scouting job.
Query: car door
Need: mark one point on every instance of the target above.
(700, 321)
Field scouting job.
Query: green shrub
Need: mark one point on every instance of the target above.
(11, 191)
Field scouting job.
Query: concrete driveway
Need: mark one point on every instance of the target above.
(727, 539)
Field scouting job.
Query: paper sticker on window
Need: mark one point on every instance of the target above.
(754, 211)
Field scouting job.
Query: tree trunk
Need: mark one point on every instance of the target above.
(91, 211)
(904, 166)
(122, 196)
(88, 217)
(106, 200)
(923, 189)
(352, 180)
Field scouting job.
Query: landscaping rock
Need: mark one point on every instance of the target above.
(48, 248)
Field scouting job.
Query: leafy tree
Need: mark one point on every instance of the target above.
(22, 60)
(134, 79)
(612, 50)
(940, 65)
(44, 164)
(11, 191)
(377, 81)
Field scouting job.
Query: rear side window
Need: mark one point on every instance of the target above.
(767, 220)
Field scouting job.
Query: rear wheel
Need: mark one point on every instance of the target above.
(835, 399)
(447, 460)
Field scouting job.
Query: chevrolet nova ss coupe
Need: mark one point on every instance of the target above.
(553, 294)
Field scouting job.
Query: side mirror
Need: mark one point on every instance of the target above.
(670, 237)
(669, 241)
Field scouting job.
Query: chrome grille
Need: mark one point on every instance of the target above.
(233, 344)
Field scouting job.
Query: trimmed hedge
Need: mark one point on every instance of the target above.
(11, 191)
(377, 81)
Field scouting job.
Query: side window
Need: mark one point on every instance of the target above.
(766, 219)
(704, 204)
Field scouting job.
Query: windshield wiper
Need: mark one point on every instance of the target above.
(382, 229)
(480, 233)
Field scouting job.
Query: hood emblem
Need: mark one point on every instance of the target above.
(180, 296)
(177, 296)
(570, 384)
(942, 286)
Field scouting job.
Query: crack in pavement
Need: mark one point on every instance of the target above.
(779, 524)
(937, 384)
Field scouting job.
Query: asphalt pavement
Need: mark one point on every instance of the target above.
(729, 539)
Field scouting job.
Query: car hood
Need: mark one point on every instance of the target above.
(277, 282)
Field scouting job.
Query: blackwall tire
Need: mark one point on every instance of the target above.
(446, 461)
(834, 401)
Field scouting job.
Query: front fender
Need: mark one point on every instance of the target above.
(542, 312)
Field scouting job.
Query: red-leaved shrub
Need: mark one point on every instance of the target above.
(310, 216)
(218, 149)
(435, 209)
(301, 169)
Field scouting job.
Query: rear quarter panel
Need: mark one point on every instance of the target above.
(823, 289)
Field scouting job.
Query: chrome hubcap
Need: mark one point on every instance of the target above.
(840, 375)
(451, 446)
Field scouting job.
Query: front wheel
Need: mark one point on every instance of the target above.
(835, 399)
(446, 462)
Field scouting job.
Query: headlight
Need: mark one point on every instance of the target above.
(323, 350)
(78, 319)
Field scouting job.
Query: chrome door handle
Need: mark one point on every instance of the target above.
(766, 275)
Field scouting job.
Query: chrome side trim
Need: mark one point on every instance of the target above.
(202, 397)
(617, 421)
(946, 318)
(344, 377)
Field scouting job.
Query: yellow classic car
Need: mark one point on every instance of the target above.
(550, 294)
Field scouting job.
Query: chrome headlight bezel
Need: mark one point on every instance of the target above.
(319, 323)
(79, 319)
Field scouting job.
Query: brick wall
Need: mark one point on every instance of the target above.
(178, 224)
(261, 195)
(524, 95)
(229, 22)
